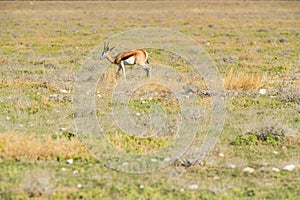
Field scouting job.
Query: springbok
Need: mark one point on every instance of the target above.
(138, 56)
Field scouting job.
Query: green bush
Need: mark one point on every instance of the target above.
(247, 139)
(267, 135)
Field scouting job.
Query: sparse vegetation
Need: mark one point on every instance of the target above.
(267, 137)
(43, 45)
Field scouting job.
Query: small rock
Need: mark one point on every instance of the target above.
(7, 117)
(275, 152)
(282, 40)
(232, 166)
(125, 164)
(141, 186)
(63, 169)
(181, 190)
(153, 160)
(167, 159)
(150, 98)
(262, 91)
(143, 102)
(248, 169)
(70, 161)
(193, 187)
(289, 167)
(63, 91)
(221, 155)
(274, 169)
(137, 114)
(75, 172)
(79, 185)
(63, 129)
(53, 95)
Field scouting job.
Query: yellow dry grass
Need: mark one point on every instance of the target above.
(16, 146)
(244, 81)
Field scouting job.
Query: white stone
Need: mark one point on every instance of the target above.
(75, 172)
(274, 169)
(63, 169)
(79, 185)
(275, 152)
(193, 187)
(137, 114)
(289, 167)
(248, 169)
(70, 161)
(221, 155)
(262, 91)
(63, 91)
(141, 186)
(232, 166)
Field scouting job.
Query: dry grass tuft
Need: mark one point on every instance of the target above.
(138, 145)
(244, 81)
(16, 146)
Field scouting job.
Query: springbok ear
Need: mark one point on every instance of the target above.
(111, 48)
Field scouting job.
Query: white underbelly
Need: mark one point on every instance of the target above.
(129, 61)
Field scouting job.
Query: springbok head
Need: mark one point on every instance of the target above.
(105, 49)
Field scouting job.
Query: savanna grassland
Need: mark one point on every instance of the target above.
(255, 46)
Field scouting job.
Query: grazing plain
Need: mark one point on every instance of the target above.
(255, 46)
